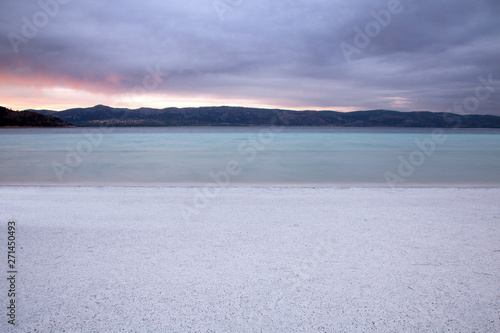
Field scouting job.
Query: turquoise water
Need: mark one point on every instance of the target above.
(250, 155)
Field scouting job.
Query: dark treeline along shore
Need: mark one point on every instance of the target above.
(101, 115)
(10, 118)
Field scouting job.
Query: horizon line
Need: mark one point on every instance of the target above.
(250, 107)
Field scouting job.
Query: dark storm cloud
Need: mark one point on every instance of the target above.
(427, 55)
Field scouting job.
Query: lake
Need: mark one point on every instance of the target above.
(249, 155)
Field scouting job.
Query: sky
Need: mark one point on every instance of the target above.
(433, 55)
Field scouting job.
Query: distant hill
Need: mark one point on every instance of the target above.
(101, 115)
(28, 119)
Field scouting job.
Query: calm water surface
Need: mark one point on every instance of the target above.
(250, 155)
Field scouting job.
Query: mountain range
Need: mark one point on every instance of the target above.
(101, 115)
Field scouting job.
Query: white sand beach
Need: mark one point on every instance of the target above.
(253, 259)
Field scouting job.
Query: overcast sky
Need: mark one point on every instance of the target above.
(315, 54)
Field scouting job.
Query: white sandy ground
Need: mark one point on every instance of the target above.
(123, 259)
